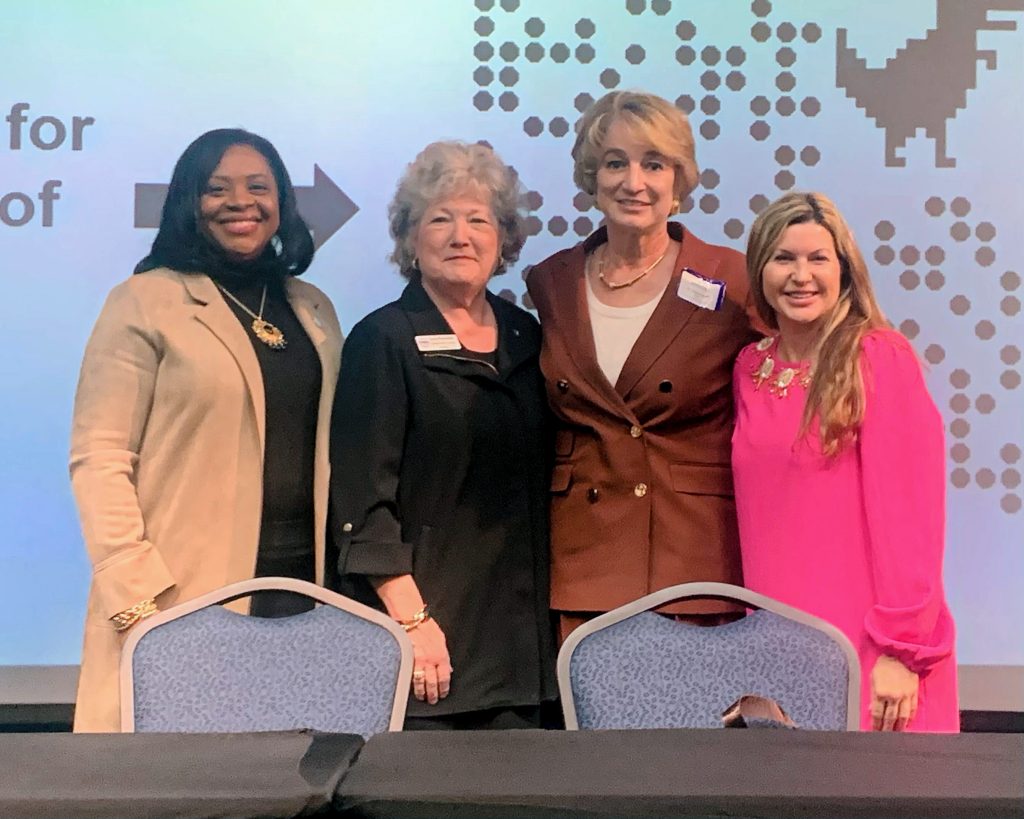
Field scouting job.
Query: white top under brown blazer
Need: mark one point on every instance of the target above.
(641, 492)
(167, 455)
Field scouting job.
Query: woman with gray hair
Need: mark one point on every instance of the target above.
(440, 451)
(642, 322)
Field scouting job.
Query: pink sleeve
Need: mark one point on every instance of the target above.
(741, 368)
(736, 367)
(903, 473)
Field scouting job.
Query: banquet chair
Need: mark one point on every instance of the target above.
(341, 667)
(635, 668)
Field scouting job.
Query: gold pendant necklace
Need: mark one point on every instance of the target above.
(266, 332)
(778, 384)
(631, 282)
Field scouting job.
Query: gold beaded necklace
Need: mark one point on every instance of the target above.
(778, 383)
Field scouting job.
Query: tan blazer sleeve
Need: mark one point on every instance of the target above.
(112, 405)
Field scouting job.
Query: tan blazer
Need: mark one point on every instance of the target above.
(167, 455)
(642, 494)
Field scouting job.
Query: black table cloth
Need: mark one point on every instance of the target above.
(522, 774)
(763, 773)
(155, 776)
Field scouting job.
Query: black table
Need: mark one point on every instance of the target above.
(520, 774)
(155, 776)
(763, 773)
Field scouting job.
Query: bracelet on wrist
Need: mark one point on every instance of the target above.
(417, 620)
(130, 616)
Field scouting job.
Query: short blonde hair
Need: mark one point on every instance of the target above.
(451, 168)
(650, 118)
(836, 392)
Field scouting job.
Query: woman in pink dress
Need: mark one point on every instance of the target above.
(838, 459)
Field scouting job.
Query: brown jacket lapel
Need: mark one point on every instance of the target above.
(569, 308)
(672, 313)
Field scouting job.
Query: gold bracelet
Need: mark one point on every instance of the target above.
(130, 616)
(417, 620)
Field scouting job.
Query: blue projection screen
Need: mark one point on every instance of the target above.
(909, 114)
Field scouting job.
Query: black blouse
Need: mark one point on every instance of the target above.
(440, 468)
(291, 384)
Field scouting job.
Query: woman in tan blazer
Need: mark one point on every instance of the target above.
(199, 441)
(642, 322)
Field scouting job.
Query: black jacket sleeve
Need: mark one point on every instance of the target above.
(368, 429)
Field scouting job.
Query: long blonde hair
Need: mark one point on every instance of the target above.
(835, 395)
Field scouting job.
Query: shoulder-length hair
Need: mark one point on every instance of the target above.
(179, 244)
(836, 392)
(451, 168)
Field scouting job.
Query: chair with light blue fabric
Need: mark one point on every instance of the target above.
(341, 667)
(634, 668)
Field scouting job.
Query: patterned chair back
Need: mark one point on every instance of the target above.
(633, 668)
(199, 668)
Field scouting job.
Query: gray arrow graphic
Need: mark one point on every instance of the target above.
(323, 205)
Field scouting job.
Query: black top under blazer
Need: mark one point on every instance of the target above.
(440, 467)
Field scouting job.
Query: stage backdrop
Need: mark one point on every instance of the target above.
(909, 114)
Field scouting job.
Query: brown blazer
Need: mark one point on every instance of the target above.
(642, 496)
(167, 453)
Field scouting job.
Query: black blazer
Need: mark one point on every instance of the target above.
(440, 468)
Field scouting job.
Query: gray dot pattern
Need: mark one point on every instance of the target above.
(978, 315)
(957, 299)
(910, 255)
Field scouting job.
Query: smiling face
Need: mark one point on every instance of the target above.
(803, 277)
(457, 242)
(239, 208)
(635, 184)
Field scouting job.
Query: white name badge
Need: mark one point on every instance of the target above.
(700, 290)
(437, 343)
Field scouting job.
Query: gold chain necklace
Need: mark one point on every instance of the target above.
(631, 282)
(266, 332)
(778, 383)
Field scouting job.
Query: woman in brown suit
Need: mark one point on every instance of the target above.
(199, 440)
(642, 322)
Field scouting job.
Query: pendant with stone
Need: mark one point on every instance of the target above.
(269, 334)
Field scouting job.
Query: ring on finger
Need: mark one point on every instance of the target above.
(419, 675)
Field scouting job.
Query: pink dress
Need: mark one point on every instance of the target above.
(858, 539)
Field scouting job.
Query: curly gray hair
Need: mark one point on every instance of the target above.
(451, 168)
